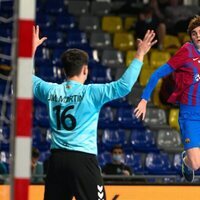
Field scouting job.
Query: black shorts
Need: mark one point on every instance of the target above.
(72, 173)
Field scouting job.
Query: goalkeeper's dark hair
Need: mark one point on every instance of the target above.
(35, 153)
(73, 61)
(194, 22)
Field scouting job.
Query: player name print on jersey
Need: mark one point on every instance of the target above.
(65, 99)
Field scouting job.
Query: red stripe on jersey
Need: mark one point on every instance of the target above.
(25, 35)
(23, 117)
(194, 94)
(21, 188)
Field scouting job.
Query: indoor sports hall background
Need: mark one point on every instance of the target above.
(106, 30)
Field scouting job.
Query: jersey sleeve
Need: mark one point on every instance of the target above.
(102, 93)
(179, 59)
(162, 71)
(41, 88)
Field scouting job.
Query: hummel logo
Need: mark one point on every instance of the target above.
(100, 188)
(194, 59)
(100, 192)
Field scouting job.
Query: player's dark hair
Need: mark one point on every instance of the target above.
(35, 153)
(194, 22)
(117, 146)
(73, 61)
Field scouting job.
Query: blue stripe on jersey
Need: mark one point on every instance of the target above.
(74, 108)
(190, 51)
(191, 89)
(198, 95)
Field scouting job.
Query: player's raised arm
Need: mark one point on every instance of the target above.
(145, 44)
(36, 38)
(40, 87)
(126, 82)
(121, 87)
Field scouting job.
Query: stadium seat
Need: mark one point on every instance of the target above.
(44, 21)
(158, 58)
(78, 8)
(8, 111)
(134, 96)
(181, 36)
(40, 141)
(54, 7)
(119, 72)
(177, 163)
(123, 41)
(3, 84)
(100, 40)
(100, 8)
(117, 103)
(5, 49)
(55, 39)
(113, 137)
(7, 6)
(143, 140)
(186, 39)
(5, 145)
(100, 75)
(169, 140)
(39, 6)
(56, 54)
(66, 23)
(129, 22)
(5, 91)
(37, 102)
(5, 64)
(145, 75)
(106, 118)
(76, 39)
(42, 53)
(112, 58)
(89, 23)
(156, 96)
(5, 140)
(47, 73)
(127, 119)
(36, 135)
(130, 56)
(6, 33)
(155, 117)
(134, 160)
(41, 116)
(104, 158)
(5, 132)
(171, 42)
(93, 55)
(173, 118)
(112, 24)
(158, 163)
(44, 155)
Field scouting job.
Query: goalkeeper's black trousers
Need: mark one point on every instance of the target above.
(73, 174)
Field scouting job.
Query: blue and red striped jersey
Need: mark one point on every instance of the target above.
(186, 63)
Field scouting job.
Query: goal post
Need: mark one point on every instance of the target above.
(23, 100)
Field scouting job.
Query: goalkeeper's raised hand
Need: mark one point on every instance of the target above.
(36, 39)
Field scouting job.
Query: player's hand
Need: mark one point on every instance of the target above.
(140, 110)
(36, 38)
(126, 172)
(145, 44)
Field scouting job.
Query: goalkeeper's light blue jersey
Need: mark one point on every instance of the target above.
(74, 108)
